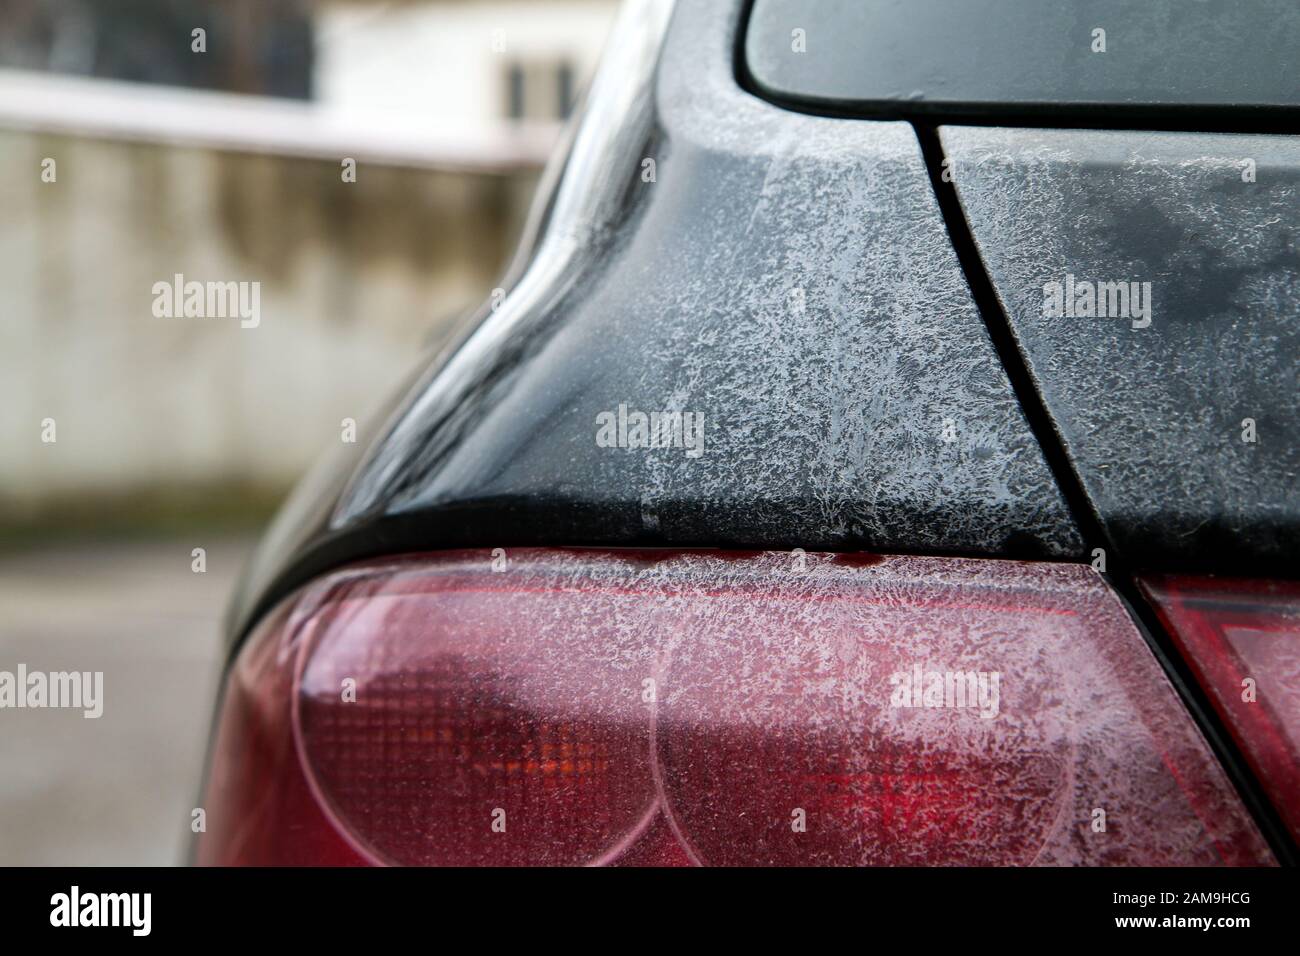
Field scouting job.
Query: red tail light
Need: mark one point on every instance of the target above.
(572, 707)
(1242, 640)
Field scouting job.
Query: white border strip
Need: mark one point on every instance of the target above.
(115, 109)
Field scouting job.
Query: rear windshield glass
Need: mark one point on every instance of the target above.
(901, 57)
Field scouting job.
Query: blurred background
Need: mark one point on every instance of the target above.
(222, 164)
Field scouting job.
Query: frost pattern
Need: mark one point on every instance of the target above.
(526, 690)
(790, 278)
(823, 324)
(1154, 416)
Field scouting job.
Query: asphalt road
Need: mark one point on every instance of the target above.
(118, 789)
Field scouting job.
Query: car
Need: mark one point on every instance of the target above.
(884, 452)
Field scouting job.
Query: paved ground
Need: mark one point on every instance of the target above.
(117, 790)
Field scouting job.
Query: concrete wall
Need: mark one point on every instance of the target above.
(356, 278)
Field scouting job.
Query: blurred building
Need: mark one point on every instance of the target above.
(459, 61)
(520, 60)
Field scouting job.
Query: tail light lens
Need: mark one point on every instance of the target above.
(1242, 640)
(575, 707)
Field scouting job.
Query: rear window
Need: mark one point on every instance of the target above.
(1002, 58)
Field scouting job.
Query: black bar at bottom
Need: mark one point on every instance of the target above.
(372, 906)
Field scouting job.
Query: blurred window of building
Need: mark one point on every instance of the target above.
(515, 90)
(540, 90)
(564, 78)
